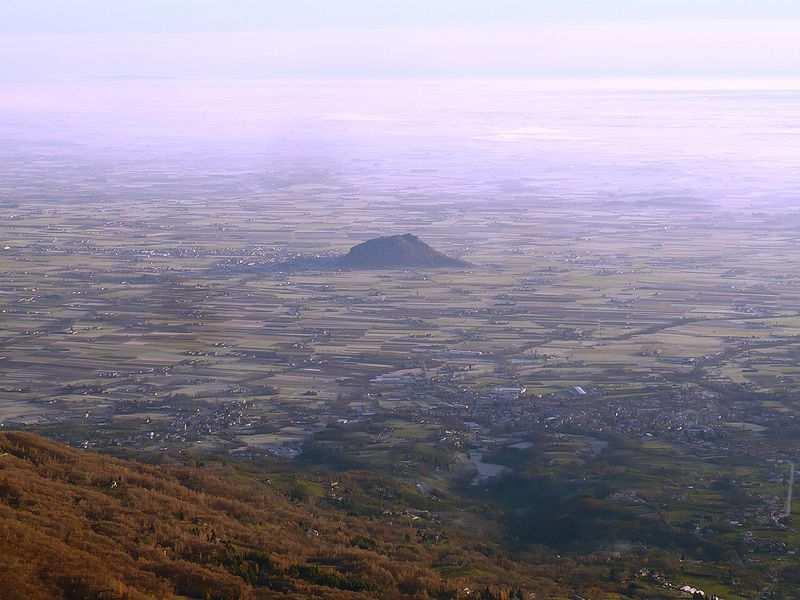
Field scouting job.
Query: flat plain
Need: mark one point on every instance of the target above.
(643, 355)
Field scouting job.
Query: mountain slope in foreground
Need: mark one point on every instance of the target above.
(78, 525)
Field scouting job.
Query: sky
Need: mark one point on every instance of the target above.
(57, 40)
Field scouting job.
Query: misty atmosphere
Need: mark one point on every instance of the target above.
(380, 300)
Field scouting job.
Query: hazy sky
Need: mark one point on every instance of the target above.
(44, 40)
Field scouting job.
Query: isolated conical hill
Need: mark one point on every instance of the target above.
(396, 251)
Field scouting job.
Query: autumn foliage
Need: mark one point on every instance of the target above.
(79, 525)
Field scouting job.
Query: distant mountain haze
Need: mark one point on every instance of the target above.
(79, 40)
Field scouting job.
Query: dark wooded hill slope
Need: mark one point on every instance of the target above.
(79, 525)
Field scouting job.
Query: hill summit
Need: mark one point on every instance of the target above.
(396, 251)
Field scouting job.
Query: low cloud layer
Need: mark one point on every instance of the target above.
(676, 49)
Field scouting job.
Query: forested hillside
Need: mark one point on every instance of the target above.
(80, 525)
